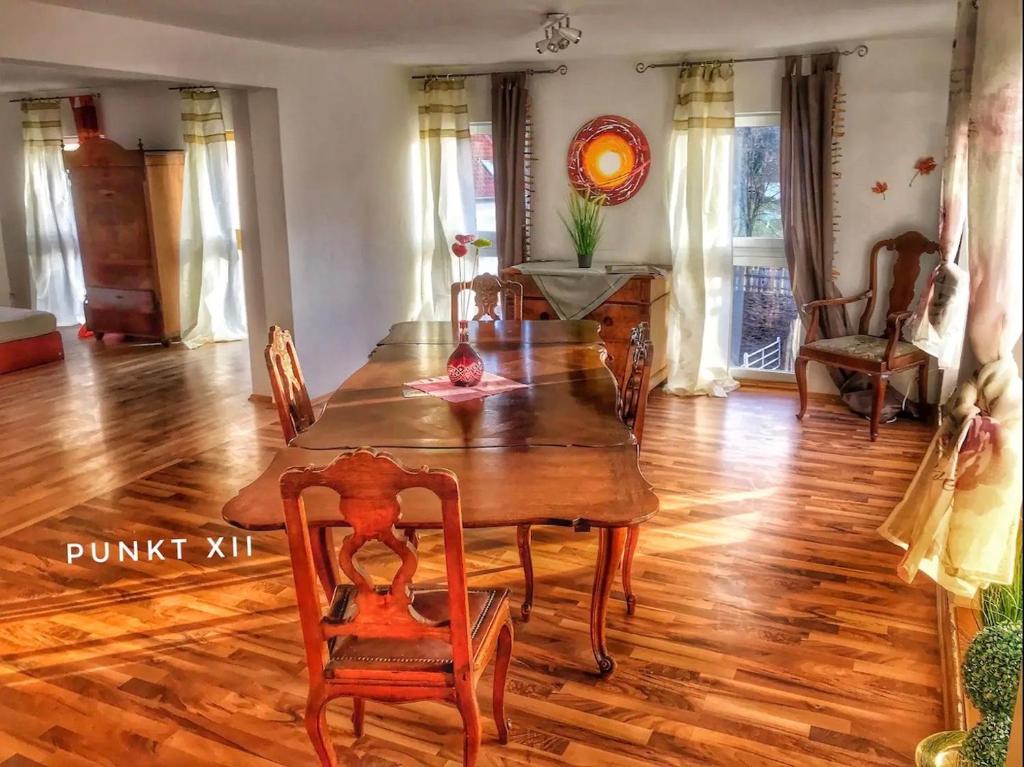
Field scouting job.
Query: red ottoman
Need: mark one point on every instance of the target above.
(28, 338)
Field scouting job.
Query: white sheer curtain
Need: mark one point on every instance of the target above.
(446, 175)
(212, 291)
(700, 221)
(58, 286)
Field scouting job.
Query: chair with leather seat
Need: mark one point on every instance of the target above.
(631, 407)
(877, 357)
(392, 643)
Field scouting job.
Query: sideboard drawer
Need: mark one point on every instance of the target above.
(617, 320)
(641, 299)
(141, 301)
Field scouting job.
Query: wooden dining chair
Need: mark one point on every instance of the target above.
(877, 357)
(294, 408)
(631, 407)
(633, 410)
(392, 643)
(491, 296)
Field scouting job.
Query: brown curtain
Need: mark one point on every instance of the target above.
(87, 117)
(805, 174)
(509, 94)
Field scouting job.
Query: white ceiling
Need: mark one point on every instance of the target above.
(18, 78)
(451, 32)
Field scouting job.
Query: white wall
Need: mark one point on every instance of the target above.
(6, 297)
(636, 231)
(12, 208)
(149, 112)
(896, 114)
(345, 139)
(896, 108)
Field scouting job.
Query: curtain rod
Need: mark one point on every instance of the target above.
(192, 87)
(51, 98)
(561, 69)
(861, 51)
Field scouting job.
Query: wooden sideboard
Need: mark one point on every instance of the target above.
(128, 211)
(643, 299)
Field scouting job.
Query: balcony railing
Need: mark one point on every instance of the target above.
(766, 358)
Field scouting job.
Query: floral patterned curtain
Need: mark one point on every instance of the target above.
(960, 518)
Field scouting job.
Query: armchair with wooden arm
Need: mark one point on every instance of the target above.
(878, 357)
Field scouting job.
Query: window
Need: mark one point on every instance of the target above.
(483, 190)
(765, 324)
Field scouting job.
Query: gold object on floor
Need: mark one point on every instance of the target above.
(940, 750)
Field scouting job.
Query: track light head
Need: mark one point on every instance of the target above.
(558, 34)
(569, 34)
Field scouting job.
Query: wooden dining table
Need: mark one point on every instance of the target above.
(550, 453)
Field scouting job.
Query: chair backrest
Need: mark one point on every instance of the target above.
(906, 267)
(294, 408)
(367, 483)
(636, 379)
(489, 293)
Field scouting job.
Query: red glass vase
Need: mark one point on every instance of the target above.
(465, 368)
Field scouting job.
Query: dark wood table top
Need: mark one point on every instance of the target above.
(569, 400)
(483, 334)
(552, 453)
(499, 487)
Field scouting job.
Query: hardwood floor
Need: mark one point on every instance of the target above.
(770, 628)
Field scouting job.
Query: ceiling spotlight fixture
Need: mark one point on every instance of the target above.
(558, 34)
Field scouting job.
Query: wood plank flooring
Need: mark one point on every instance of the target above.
(771, 629)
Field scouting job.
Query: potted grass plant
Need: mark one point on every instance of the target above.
(584, 224)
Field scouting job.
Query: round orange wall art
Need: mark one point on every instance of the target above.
(609, 156)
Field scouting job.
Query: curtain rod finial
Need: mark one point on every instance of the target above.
(641, 67)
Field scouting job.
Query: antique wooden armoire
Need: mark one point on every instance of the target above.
(128, 210)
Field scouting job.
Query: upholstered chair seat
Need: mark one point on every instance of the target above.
(861, 347)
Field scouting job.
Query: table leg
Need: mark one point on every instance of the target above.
(322, 543)
(609, 555)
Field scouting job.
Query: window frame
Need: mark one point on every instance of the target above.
(490, 253)
(758, 251)
(758, 247)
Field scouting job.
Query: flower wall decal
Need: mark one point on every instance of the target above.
(881, 188)
(923, 167)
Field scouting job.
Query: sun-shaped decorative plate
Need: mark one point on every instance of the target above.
(609, 156)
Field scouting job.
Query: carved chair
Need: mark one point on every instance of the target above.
(878, 357)
(296, 414)
(490, 292)
(631, 407)
(632, 410)
(392, 643)
(294, 408)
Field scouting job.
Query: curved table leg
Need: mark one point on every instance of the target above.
(324, 559)
(609, 555)
(523, 533)
(632, 540)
